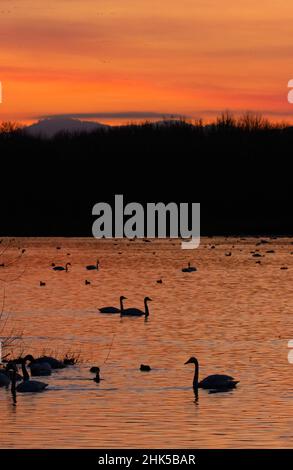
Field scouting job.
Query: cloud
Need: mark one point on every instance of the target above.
(113, 115)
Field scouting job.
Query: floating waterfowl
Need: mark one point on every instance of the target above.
(27, 385)
(62, 268)
(54, 363)
(136, 312)
(42, 284)
(38, 369)
(159, 281)
(212, 382)
(92, 267)
(189, 269)
(113, 309)
(87, 283)
(145, 368)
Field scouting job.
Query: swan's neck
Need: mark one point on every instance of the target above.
(121, 306)
(25, 375)
(195, 378)
(146, 308)
(13, 383)
(97, 265)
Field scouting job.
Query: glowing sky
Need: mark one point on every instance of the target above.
(187, 57)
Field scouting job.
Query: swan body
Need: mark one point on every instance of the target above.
(189, 269)
(212, 382)
(93, 267)
(4, 379)
(54, 363)
(38, 369)
(27, 385)
(113, 309)
(136, 312)
(62, 268)
(145, 368)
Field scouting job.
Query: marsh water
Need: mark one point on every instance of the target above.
(234, 314)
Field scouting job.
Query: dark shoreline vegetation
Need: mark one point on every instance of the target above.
(238, 168)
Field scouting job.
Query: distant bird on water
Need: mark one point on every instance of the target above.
(212, 382)
(92, 267)
(62, 268)
(87, 283)
(145, 368)
(189, 269)
(136, 312)
(113, 309)
(42, 283)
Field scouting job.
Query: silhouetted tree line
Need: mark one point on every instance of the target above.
(238, 168)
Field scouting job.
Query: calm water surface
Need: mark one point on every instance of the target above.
(235, 315)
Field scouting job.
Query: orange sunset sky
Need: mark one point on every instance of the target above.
(117, 60)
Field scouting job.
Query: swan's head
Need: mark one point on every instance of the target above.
(192, 360)
(122, 298)
(28, 357)
(147, 299)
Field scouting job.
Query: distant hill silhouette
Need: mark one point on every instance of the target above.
(51, 126)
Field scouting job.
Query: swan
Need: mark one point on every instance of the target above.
(27, 385)
(54, 363)
(136, 312)
(190, 269)
(113, 309)
(38, 369)
(145, 368)
(92, 267)
(62, 268)
(212, 382)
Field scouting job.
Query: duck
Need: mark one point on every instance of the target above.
(87, 283)
(159, 281)
(62, 268)
(189, 269)
(145, 368)
(136, 312)
(42, 284)
(113, 309)
(93, 267)
(212, 382)
(27, 385)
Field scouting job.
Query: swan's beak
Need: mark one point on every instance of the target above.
(187, 362)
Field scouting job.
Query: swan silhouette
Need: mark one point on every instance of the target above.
(212, 382)
(62, 268)
(189, 269)
(92, 267)
(38, 369)
(113, 309)
(136, 312)
(27, 385)
(54, 363)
